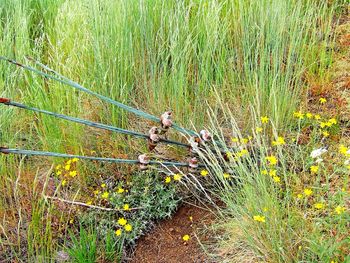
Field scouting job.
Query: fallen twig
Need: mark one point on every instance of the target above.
(90, 206)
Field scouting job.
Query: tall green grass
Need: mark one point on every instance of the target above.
(155, 55)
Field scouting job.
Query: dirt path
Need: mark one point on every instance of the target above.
(164, 244)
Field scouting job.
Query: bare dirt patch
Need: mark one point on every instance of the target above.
(164, 244)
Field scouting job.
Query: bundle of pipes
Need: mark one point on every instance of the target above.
(153, 137)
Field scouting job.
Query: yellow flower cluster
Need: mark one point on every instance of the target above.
(273, 174)
(124, 223)
(65, 170)
(328, 123)
(176, 177)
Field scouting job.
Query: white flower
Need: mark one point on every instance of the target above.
(347, 162)
(318, 152)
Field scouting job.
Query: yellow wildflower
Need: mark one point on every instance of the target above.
(118, 232)
(177, 177)
(190, 218)
(319, 205)
(71, 221)
(332, 121)
(243, 152)
(259, 218)
(264, 119)
(74, 160)
(122, 221)
(299, 196)
(235, 139)
(307, 192)
(73, 173)
(271, 159)
(89, 202)
(279, 141)
(343, 149)
(64, 182)
(96, 192)
(264, 172)
(314, 169)
(67, 167)
(258, 129)
(317, 117)
(126, 207)
(69, 162)
(322, 124)
(273, 172)
(339, 209)
(299, 115)
(128, 227)
(103, 185)
(167, 179)
(186, 238)
(105, 195)
(58, 173)
(120, 190)
(322, 100)
(309, 115)
(226, 175)
(325, 133)
(204, 173)
(244, 141)
(277, 179)
(58, 167)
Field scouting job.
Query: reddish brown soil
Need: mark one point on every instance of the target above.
(164, 243)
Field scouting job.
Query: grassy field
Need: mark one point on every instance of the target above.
(216, 64)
